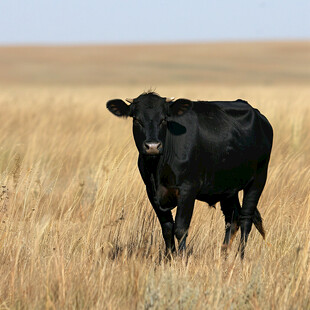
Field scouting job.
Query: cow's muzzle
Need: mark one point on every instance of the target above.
(152, 148)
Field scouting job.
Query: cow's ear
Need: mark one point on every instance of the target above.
(179, 107)
(118, 107)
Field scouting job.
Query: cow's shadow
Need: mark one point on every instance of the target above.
(176, 128)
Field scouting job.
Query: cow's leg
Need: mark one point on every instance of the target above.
(165, 217)
(249, 212)
(166, 222)
(231, 210)
(183, 218)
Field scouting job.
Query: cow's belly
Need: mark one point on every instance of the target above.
(211, 200)
(224, 184)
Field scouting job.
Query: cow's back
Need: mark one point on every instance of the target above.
(233, 124)
(233, 139)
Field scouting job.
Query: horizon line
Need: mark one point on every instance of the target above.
(164, 43)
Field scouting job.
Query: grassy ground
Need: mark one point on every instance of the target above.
(152, 65)
(77, 230)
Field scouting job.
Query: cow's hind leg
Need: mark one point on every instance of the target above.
(231, 210)
(249, 213)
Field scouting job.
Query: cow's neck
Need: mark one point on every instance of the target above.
(151, 163)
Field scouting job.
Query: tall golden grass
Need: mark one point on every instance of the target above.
(77, 230)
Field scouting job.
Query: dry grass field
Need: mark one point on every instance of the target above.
(76, 228)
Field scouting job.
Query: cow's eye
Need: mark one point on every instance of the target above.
(163, 122)
(137, 122)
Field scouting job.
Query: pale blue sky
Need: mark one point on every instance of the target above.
(139, 21)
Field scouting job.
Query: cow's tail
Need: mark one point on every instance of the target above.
(258, 222)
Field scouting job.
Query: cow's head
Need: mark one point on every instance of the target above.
(150, 114)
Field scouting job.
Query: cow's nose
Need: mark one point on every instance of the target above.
(152, 148)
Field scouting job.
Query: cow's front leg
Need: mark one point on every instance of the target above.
(168, 234)
(166, 222)
(183, 219)
(165, 217)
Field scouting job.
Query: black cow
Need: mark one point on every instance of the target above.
(204, 150)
